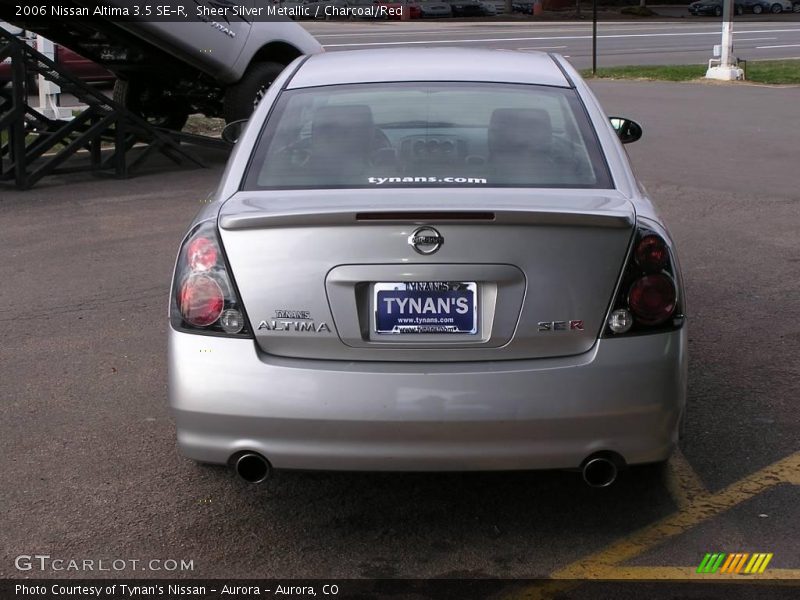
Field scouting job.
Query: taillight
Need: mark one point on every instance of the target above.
(652, 299)
(201, 254)
(647, 299)
(200, 300)
(651, 253)
(204, 298)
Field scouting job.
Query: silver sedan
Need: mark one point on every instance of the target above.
(428, 259)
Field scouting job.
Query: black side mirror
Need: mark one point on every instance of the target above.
(233, 130)
(628, 131)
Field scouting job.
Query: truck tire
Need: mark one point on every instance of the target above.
(242, 97)
(168, 115)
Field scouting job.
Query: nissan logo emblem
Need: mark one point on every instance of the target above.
(426, 240)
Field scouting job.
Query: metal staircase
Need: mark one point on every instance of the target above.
(104, 137)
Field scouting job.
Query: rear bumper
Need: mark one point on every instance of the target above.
(625, 395)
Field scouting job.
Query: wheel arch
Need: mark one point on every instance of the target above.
(277, 51)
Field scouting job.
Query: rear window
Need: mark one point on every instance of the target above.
(427, 135)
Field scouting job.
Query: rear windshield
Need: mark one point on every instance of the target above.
(427, 135)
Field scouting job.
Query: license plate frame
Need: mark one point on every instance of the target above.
(386, 315)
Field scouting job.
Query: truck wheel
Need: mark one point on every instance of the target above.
(241, 98)
(140, 100)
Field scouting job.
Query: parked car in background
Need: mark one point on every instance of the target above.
(466, 8)
(489, 9)
(756, 6)
(779, 6)
(526, 8)
(712, 8)
(317, 9)
(767, 6)
(363, 4)
(435, 10)
(411, 5)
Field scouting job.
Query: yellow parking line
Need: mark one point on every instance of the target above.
(606, 564)
(793, 477)
(699, 510)
(683, 483)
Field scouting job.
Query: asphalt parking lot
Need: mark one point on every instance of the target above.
(90, 470)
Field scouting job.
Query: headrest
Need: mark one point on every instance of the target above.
(516, 130)
(347, 127)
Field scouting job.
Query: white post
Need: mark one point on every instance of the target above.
(48, 91)
(727, 70)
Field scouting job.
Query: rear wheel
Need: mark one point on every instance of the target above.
(718, 11)
(242, 98)
(150, 104)
(776, 9)
(757, 10)
(739, 9)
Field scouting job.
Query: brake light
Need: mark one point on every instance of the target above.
(201, 300)
(647, 299)
(201, 254)
(652, 299)
(651, 253)
(204, 298)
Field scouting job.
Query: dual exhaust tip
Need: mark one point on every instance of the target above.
(252, 467)
(598, 470)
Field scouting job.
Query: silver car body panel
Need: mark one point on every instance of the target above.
(556, 255)
(625, 395)
(347, 405)
(441, 64)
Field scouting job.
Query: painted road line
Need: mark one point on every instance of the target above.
(736, 39)
(683, 483)
(320, 30)
(379, 31)
(606, 564)
(541, 47)
(540, 38)
(779, 46)
(698, 511)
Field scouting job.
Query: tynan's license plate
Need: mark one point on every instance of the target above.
(426, 307)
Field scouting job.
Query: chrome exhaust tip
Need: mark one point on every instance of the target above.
(252, 467)
(599, 471)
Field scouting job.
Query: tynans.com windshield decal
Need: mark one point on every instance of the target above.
(384, 180)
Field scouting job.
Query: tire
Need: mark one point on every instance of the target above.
(718, 11)
(739, 10)
(757, 9)
(776, 9)
(241, 98)
(168, 115)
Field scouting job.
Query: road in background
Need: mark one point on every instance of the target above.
(619, 43)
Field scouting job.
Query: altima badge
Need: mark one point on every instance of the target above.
(293, 326)
(426, 240)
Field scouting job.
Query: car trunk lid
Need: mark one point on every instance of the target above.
(544, 264)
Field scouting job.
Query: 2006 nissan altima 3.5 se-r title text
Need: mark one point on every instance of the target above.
(428, 259)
